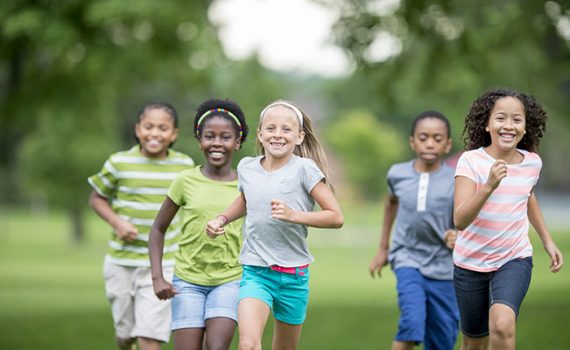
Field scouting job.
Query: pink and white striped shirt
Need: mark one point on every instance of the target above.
(499, 233)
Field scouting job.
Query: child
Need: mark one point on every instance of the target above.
(421, 194)
(494, 201)
(278, 192)
(127, 194)
(205, 286)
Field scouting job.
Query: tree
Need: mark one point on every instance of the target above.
(71, 68)
(367, 148)
(442, 54)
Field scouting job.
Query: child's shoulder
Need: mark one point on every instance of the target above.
(401, 168)
(531, 157)
(248, 161)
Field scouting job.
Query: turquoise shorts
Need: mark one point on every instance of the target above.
(286, 294)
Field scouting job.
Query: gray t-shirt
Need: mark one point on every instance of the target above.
(424, 214)
(269, 241)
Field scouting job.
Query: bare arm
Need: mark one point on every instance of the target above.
(168, 210)
(468, 201)
(537, 220)
(391, 205)
(236, 210)
(123, 229)
(330, 215)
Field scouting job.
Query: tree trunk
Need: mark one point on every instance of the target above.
(77, 225)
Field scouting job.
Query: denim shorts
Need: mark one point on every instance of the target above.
(193, 304)
(428, 310)
(286, 294)
(477, 291)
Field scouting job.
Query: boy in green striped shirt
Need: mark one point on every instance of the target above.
(127, 193)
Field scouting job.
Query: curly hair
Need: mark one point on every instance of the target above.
(474, 133)
(221, 108)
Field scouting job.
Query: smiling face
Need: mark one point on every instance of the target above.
(155, 132)
(218, 141)
(430, 143)
(279, 132)
(506, 125)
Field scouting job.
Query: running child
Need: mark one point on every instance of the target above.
(420, 200)
(127, 193)
(278, 192)
(205, 287)
(494, 202)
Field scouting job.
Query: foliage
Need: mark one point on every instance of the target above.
(367, 148)
(442, 54)
(72, 69)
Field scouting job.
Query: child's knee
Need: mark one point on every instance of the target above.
(126, 343)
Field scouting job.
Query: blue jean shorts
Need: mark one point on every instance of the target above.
(193, 304)
(477, 291)
(286, 294)
(428, 310)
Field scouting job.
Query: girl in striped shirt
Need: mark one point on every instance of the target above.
(494, 202)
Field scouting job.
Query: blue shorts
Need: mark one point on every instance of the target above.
(477, 291)
(286, 294)
(428, 310)
(193, 304)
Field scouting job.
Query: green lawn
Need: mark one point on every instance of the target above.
(51, 292)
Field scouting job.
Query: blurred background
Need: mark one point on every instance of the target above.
(74, 73)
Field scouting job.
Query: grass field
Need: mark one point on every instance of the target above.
(51, 292)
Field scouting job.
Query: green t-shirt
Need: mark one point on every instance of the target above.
(136, 186)
(201, 259)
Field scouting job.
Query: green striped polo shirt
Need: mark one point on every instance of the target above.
(136, 186)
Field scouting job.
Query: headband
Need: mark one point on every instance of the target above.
(214, 110)
(286, 104)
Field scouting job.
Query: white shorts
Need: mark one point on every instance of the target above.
(137, 311)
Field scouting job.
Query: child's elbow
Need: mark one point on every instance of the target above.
(459, 225)
(338, 222)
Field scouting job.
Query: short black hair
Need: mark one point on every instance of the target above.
(474, 133)
(431, 114)
(214, 104)
(165, 106)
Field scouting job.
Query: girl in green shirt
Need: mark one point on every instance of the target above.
(205, 287)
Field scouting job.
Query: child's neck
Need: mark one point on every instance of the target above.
(422, 167)
(511, 156)
(224, 173)
(271, 163)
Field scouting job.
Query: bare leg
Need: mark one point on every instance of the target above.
(403, 345)
(502, 327)
(148, 344)
(188, 338)
(252, 316)
(286, 336)
(126, 343)
(219, 333)
(469, 343)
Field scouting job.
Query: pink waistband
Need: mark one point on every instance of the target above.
(289, 270)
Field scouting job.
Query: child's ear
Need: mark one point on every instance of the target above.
(238, 145)
(301, 138)
(487, 129)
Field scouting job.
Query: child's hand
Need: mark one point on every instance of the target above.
(378, 262)
(281, 211)
(450, 237)
(556, 258)
(163, 289)
(215, 228)
(126, 231)
(497, 172)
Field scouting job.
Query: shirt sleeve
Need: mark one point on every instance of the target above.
(105, 181)
(312, 175)
(176, 190)
(465, 167)
(389, 181)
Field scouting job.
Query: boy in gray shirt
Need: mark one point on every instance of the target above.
(420, 200)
